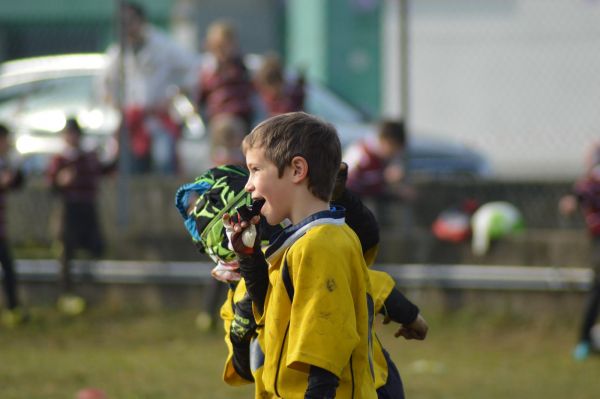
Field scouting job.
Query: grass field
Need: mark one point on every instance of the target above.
(133, 354)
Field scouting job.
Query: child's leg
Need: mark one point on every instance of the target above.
(9, 280)
(69, 239)
(91, 237)
(393, 388)
(66, 256)
(214, 295)
(591, 311)
(593, 302)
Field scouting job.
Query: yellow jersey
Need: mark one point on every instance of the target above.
(328, 324)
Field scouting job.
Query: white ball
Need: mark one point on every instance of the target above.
(248, 236)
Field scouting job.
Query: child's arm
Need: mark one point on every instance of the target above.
(254, 270)
(399, 309)
(60, 175)
(11, 179)
(415, 330)
(241, 330)
(322, 384)
(253, 265)
(394, 306)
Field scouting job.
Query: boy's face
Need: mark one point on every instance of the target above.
(133, 26)
(389, 148)
(222, 48)
(71, 137)
(264, 182)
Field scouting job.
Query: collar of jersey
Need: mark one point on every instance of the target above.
(289, 235)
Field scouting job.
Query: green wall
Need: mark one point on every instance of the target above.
(72, 10)
(339, 43)
(39, 27)
(307, 37)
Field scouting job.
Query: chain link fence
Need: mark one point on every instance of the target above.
(515, 80)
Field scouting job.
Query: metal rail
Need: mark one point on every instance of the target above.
(411, 275)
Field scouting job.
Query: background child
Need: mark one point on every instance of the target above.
(278, 94)
(586, 195)
(227, 132)
(375, 163)
(225, 84)
(10, 178)
(75, 175)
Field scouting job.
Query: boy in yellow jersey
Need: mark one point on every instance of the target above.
(318, 345)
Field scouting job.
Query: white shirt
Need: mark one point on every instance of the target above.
(152, 72)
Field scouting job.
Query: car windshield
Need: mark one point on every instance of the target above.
(326, 105)
(43, 105)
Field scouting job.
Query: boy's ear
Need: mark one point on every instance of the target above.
(299, 169)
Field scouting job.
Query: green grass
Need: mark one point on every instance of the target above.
(133, 354)
(494, 356)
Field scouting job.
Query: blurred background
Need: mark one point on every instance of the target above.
(499, 101)
(498, 97)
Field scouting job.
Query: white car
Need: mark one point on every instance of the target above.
(37, 95)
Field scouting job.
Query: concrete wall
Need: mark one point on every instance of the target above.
(155, 230)
(535, 305)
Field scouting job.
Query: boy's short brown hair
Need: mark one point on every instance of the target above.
(393, 130)
(3, 130)
(221, 30)
(270, 73)
(71, 125)
(286, 136)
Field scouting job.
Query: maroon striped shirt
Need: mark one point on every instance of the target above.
(227, 89)
(88, 171)
(290, 99)
(15, 180)
(587, 191)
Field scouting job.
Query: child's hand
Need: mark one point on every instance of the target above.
(226, 272)
(567, 204)
(394, 174)
(415, 330)
(243, 235)
(66, 176)
(5, 178)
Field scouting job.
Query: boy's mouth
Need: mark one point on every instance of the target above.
(256, 206)
(247, 212)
